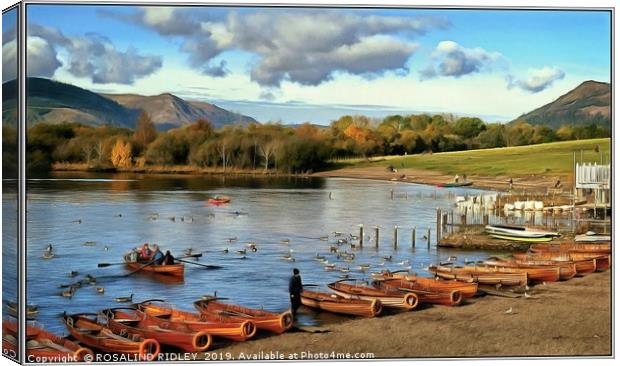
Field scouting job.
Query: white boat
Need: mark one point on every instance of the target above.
(584, 238)
(519, 231)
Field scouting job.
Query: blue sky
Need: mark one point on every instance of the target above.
(495, 64)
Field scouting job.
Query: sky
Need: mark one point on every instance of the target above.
(316, 64)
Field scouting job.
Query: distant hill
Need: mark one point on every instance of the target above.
(169, 111)
(588, 103)
(55, 102)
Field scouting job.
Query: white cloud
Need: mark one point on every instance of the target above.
(452, 59)
(537, 80)
(9, 60)
(41, 58)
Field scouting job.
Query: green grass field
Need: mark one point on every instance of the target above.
(546, 159)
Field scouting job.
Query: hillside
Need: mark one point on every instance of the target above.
(169, 111)
(588, 103)
(54, 102)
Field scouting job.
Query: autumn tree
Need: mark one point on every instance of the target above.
(145, 131)
(121, 154)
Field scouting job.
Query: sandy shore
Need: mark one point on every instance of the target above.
(534, 183)
(569, 318)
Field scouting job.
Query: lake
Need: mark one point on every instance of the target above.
(282, 215)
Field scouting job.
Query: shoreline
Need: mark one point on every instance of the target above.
(541, 325)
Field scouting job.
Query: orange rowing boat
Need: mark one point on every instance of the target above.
(136, 322)
(341, 305)
(593, 248)
(88, 331)
(233, 329)
(425, 296)
(482, 275)
(273, 322)
(173, 270)
(583, 266)
(389, 298)
(41, 344)
(467, 289)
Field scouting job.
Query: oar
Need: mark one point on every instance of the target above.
(208, 266)
(197, 255)
(139, 269)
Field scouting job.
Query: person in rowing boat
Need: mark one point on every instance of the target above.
(295, 288)
(168, 259)
(158, 256)
(146, 253)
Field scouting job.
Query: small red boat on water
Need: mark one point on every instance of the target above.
(218, 200)
(171, 270)
(42, 344)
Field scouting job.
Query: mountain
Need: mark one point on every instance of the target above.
(588, 103)
(169, 111)
(54, 102)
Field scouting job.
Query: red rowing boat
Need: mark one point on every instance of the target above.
(173, 270)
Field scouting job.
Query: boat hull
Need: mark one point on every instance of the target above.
(389, 299)
(425, 295)
(172, 270)
(272, 322)
(486, 277)
(341, 305)
(467, 289)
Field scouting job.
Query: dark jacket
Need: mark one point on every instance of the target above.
(294, 285)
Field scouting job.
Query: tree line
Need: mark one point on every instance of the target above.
(275, 147)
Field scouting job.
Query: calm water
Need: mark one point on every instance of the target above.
(121, 212)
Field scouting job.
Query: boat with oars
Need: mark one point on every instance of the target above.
(393, 299)
(467, 289)
(43, 344)
(87, 329)
(272, 322)
(176, 270)
(424, 294)
(129, 320)
(488, 276)
(338, 304)
(161, 312)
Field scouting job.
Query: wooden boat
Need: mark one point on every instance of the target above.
(592, 238)
(43, 344)
(341, 305)
(518, 238)
(454, 184)
(215, 325)
(583, 267)
(567, 269)
(389, 298)
(519, 231)
(467, 289)
(273, 322)
(488, 276)
(173, 270)
(453, 298)
(583, 248)
(87, 330)
(127, 320)
(218, 200)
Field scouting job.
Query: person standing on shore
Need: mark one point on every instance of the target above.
(295, 288)
(510, 184)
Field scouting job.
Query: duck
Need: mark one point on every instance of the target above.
(124, 298)
(225, 250)
(232, 240)
(285, 241)
(68, 293)
(319, 257)
(324, 238)
(78, 221)
(241, 251)
(100, 290)
(188, 251)
(403, 263)
(388, 258)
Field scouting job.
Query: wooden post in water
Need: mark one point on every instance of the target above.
(438, 226)
(377, 236)
(361, 235)
(392, 194)
(428, 237)
(395, 236)
(413, 238)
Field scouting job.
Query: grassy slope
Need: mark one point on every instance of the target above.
(548, 159)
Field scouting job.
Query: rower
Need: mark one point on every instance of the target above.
(158, 256)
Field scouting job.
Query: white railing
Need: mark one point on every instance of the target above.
(592, 176)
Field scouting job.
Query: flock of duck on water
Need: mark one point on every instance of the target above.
(146, 328)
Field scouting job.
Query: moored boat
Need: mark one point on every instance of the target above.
(425, 296)
(455, 184)
(519, 231)
(273, 322)
(488, 276)
(389, 298)
(173, 270)
(43, 344)
(520, 238)
(127, 320)
(583, 267)
(89, 331)
(218, 326)
(577, 248)
(467, 289)
(341, 305)
(567, 269)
